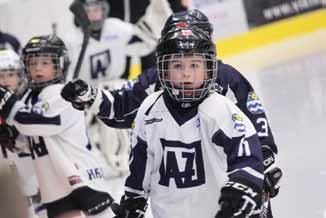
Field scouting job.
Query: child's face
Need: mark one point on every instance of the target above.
(187, 72)
(9, 79)
(94, 12)
(41, 68)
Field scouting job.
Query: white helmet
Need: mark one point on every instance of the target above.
(9, 60)
(10, 63)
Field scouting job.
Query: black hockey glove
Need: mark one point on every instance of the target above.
(79, 94)
(7, 101)
(240, 198)
(272, 173)
(130, 207)
(8, 136)
(92, 201)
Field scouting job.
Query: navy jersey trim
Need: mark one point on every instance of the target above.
(150, 108)
(105, 107)
(180, 115)
(247, 176)
(231, 149)
(33, 118)
(138, 158)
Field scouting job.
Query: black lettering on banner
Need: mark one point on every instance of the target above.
(182, 163)
(99, 64)
(260, 12)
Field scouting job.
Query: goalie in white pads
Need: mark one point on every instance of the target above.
(70, 178)
(112, 41)
(194, 153)
(107, 58)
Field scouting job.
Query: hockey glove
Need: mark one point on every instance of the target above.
(8, 136)
(240, 198)
(272, 173)
(92, 201)
(130, 207)
(79, 94)
(7, 101)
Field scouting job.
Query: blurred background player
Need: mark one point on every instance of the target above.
(149, 15)
(68, 172)
(9, 41)
(107, 61)
(230, 82)
(112, 40)
(132, 10)
(11, 77)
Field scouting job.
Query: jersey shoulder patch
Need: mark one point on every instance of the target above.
(254, 104)
(238, 122)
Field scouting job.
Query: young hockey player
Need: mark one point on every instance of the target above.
(118, 108)
(194, 153)
(11, 77)
(70, 178)
(112, 41)
(11, 72)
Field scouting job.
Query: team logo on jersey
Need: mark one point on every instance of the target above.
(45, 106)
(41, 109)
(182, 164)
(238, 123)
(100, 63)
(153, 120)
(253, 103)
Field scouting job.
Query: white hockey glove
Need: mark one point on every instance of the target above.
(240, 198)
(79, 94)
(272, 172)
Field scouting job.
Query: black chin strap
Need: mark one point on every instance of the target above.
(96, 34)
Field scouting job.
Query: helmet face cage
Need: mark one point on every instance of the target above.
(38, 51)
(178, 89)
(40, 59)
(188, 55)
(97, 24)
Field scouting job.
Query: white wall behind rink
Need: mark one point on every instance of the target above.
(227, 16)
(27, 18)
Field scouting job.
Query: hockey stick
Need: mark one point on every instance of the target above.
(78, 10)
(265, 205)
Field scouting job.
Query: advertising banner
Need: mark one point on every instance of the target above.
(260, 12)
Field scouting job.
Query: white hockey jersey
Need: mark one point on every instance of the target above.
(181, 161)
(21, 163)
(106, 59)
(62, 156)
